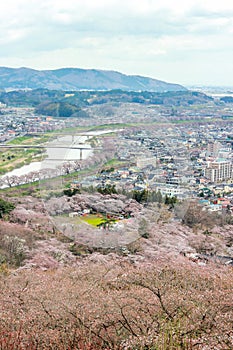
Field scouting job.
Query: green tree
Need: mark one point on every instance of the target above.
(71, 191)
(5, 207)
(159, 197)
(140, 196)
(171, 201)
(107, 189)
(106, 223)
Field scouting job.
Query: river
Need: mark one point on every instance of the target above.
(57, 155)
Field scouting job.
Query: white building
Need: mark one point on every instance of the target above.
(218, 170)
(173, 191)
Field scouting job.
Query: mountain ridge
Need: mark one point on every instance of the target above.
(80, 79)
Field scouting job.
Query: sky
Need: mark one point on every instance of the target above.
(182, 41)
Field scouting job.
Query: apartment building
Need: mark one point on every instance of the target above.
(218, 170)
(213, 148)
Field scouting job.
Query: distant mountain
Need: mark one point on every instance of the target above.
(80, 79)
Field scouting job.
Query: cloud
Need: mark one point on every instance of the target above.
(117, 34)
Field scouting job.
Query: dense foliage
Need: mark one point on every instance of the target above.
(86, 98)
(60, 109)
(117, 306)
(5, 207)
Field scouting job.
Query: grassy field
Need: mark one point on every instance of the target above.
(111, 126)
(30, 140)
(15, 158)
(93, 220)
(115, 163)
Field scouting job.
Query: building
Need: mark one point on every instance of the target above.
(173, 191)
(218, 170)
(144, 162)
(213, 148)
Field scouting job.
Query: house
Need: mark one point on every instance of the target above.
(214, 208)
(74, 214)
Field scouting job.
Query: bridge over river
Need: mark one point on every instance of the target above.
(81, 148)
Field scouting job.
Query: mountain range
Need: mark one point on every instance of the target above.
(80, 79)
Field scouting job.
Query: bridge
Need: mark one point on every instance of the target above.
(88, 134)
(57, 133)
(3, 145)
(78, 147)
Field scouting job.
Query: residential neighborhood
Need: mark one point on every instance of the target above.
(185, 162)
(177, 159)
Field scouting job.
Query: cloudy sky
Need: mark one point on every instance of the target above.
(182, 41)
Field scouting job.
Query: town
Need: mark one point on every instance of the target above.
(116, 175)
(182, 161)
(182, 152)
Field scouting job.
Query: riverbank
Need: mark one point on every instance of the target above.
(63, 149)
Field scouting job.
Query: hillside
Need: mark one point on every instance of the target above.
(80, 99)
(80, 79)
(61, 109)
(168, 287)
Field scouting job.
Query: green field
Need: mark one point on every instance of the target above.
(30, 140)
(17, 157)
(93, 220)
